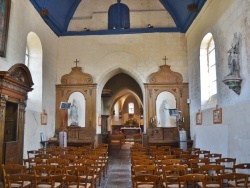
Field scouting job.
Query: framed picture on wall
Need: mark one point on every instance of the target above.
(4, 25)
(217, 115)
(199, 118)
(44, 118)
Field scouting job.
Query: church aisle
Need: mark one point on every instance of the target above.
(119, 175)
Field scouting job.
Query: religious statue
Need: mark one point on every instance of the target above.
(164, 114)
(233, 58)
(74, 113)
(233, 79)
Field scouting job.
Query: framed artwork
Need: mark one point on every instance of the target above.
(44, 118)
(4, 25)
(199, 118)
(217, 115)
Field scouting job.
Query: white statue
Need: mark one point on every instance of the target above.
(164, 114)
(233, 58)
(74, 113)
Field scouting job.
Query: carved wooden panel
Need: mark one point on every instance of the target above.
(170, 133)
(76, 76)
(11, 154)
(155, 134)
(165, 76)
(78, 134)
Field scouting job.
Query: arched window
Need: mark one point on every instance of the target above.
(211, 69)
(131, 108)
(118, 16)
(208, 76)
(34, 62)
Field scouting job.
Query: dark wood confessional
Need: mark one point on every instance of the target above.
(14, 87)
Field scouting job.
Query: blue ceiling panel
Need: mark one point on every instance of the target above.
(60, 12)
(178, 10)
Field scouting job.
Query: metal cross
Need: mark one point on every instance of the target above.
(165, 59)
(76, 61)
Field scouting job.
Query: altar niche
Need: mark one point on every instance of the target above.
(77, 110)
(164, 103)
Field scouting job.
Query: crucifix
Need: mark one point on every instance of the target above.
(76, 61)
(165, 59)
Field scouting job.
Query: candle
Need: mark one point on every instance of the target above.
(42, 137)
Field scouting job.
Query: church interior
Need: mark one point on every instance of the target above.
(120, 72)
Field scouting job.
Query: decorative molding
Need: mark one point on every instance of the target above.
(12, 86)
(21, 73)
(76, 76)
(165, 76)
(22, 104)
(3, 99)
(17, 81)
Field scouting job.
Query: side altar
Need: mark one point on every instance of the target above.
(164, 94)
(77, 86)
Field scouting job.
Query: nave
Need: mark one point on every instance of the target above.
(119, 169)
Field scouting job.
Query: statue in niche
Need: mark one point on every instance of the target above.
(233, 58)
(164, 114)
(74, 113)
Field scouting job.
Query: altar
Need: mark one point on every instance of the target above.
(129, 131)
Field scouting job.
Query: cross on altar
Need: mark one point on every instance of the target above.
(165, 59)
(76, 61)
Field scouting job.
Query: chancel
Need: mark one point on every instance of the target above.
(120, 68)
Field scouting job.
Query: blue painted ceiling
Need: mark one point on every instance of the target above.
(58, 13)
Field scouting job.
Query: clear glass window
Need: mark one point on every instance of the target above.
(131, 108)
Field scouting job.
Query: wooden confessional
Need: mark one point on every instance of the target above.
(14, 87)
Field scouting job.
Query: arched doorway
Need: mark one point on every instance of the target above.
(121, 103)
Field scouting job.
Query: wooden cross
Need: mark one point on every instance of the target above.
(165, 59)
(76, 61)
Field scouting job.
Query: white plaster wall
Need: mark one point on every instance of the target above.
(213, 138)
(24, 19)
(223, 19)
(137, 55)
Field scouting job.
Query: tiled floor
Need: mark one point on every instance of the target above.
(119, 175)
